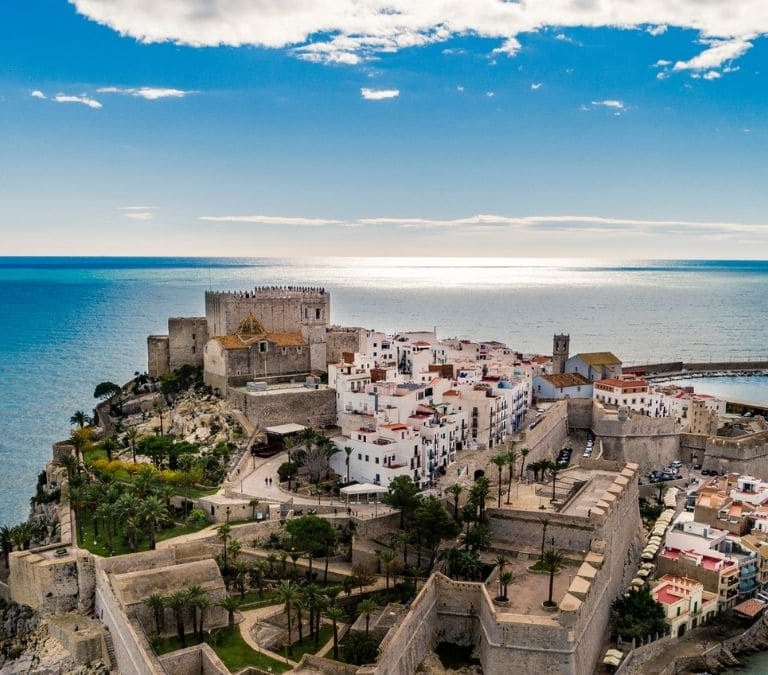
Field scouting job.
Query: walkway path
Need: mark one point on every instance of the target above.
(255, 483)
(250, 618)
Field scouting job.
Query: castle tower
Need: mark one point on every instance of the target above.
(560, 347)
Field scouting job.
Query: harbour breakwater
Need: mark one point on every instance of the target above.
(681, 368)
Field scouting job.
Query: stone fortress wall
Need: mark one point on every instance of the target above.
(315, 407)
(746, 455)
(652, 442)
(280, 309)
(566, 641)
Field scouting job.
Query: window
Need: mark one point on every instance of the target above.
(285, 350)
(376, 460)
(317, 312)
(359, 456)
(263, 346)
(367, 459)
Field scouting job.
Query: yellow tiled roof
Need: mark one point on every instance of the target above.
(286, 339)
(230, 342)
(566, 379)
(599, 359)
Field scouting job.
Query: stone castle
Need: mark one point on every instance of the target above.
(270, 334)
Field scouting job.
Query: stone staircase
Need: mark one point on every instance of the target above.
(110, 650)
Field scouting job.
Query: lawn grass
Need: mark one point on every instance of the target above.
(230, 647)
(99, 546)
(253, 601)
(307, 646)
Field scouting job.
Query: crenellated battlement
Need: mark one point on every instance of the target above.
(273, 292)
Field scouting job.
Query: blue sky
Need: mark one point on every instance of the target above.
(550, 128)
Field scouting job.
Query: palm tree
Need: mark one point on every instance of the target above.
(234, 548)
(71, 464)
(159, 410)
(156, 603)
(5, 543)
(109, 445)
(316, 601)
(501, 561)
(194, 593)
(335, 614)
(552, 562)
(294, 555)
(80, 419)
(253, 504)
(76, 497)
(387, 558)
(544, 524)
(505, 579)
(299, 605)
(366, 608)
(524, 452)
(500, 461)
(230, 604)
(288, 594)
(202, 604)
(131, 435)
(554, 469)
(348, 450)
(256, 576)
(223, 533)
(511, 459)
(478, 495)
(154, 514)
(451, 558)
(178, 602)
(455, 490)
(81, 440)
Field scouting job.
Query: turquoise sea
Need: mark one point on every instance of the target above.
(67, 324)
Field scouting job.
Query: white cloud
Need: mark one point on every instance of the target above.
(378, 94)
(609, 103)
(459, 88)
(271, 220)
(149, 93)
(490, 94)
(347, 31)
(536, 85)
(38, 94)
(516, 224)
(718, 53)
(140, 213)
(85, 100)
(570, 223)
(711, 75)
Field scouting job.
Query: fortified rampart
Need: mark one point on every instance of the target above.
(547, 437)
(279, 309)
(315, 407)
(649, 441)
(570, 639)
(580, 414)
(746, 455)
